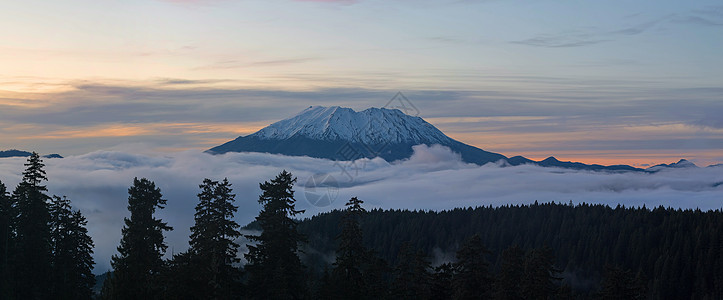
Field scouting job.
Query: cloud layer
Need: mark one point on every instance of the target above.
(433, 178)
(569, 119)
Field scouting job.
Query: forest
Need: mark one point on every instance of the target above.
(538, 251)
(668, 253)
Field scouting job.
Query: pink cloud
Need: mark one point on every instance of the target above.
(191, 1)
(332, 1)
(207, 1)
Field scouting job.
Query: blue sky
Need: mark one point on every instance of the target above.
(595, 81)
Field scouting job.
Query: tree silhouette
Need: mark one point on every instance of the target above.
(274, 268)
(508, 285)
(72, 258)
(351, 255)
(213, 250)
(621, 284)
(32, 241)
(539, 280)
(7, 238)
(473, 279)
(139, 261)
(441, 286)
(412, 277)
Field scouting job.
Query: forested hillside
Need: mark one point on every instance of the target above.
(676, 252)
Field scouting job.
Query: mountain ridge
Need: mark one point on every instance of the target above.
(340, 133)
(21, 153)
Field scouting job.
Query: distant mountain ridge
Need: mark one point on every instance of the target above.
(340, 133)
(20, 153)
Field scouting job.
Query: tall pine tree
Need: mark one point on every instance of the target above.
(621, 284)
(441, 286)
(473, 279)
(139, 262)
(7, 238)
(213, 250)
(274, 268)
(412, 276)
(32, 241)
(539, 280)
(509, 280)
(72, 259)
(351, 255)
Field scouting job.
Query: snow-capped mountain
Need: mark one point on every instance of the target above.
(340, 133)
(344, 134)
(370, 126)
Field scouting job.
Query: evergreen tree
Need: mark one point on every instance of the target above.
(7, 238)
(274, 268)
(139, 261)
(107, 291)
(441, 286)
(508, 285)
(83, 277)
(325, 287)
(621, 284)
(182, 278)
(351, 255)
(72, 260)
(376, 277)
(473, 279)
(213, 249)
(61, 260)
(539, 280)
(32, 241)
(411, 274)
(357, 272)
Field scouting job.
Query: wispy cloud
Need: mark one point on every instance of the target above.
(331, 1)
(637, 29)
(561, 41)
(699, 20)
(452, 40)
(180, 81)
(235, 64)
(144, 129)
(709, 16)
(586, 37)
(193, 2)
(281, 62)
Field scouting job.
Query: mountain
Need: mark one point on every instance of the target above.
(20, 153)
(679, 165)
(553, 162)
(344, 134)
(339, 133)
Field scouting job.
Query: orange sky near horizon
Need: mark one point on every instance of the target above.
(207, 135)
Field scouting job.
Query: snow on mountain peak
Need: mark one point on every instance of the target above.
(371, 126)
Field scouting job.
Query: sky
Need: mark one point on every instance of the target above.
(433, 178)
(634, 82)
